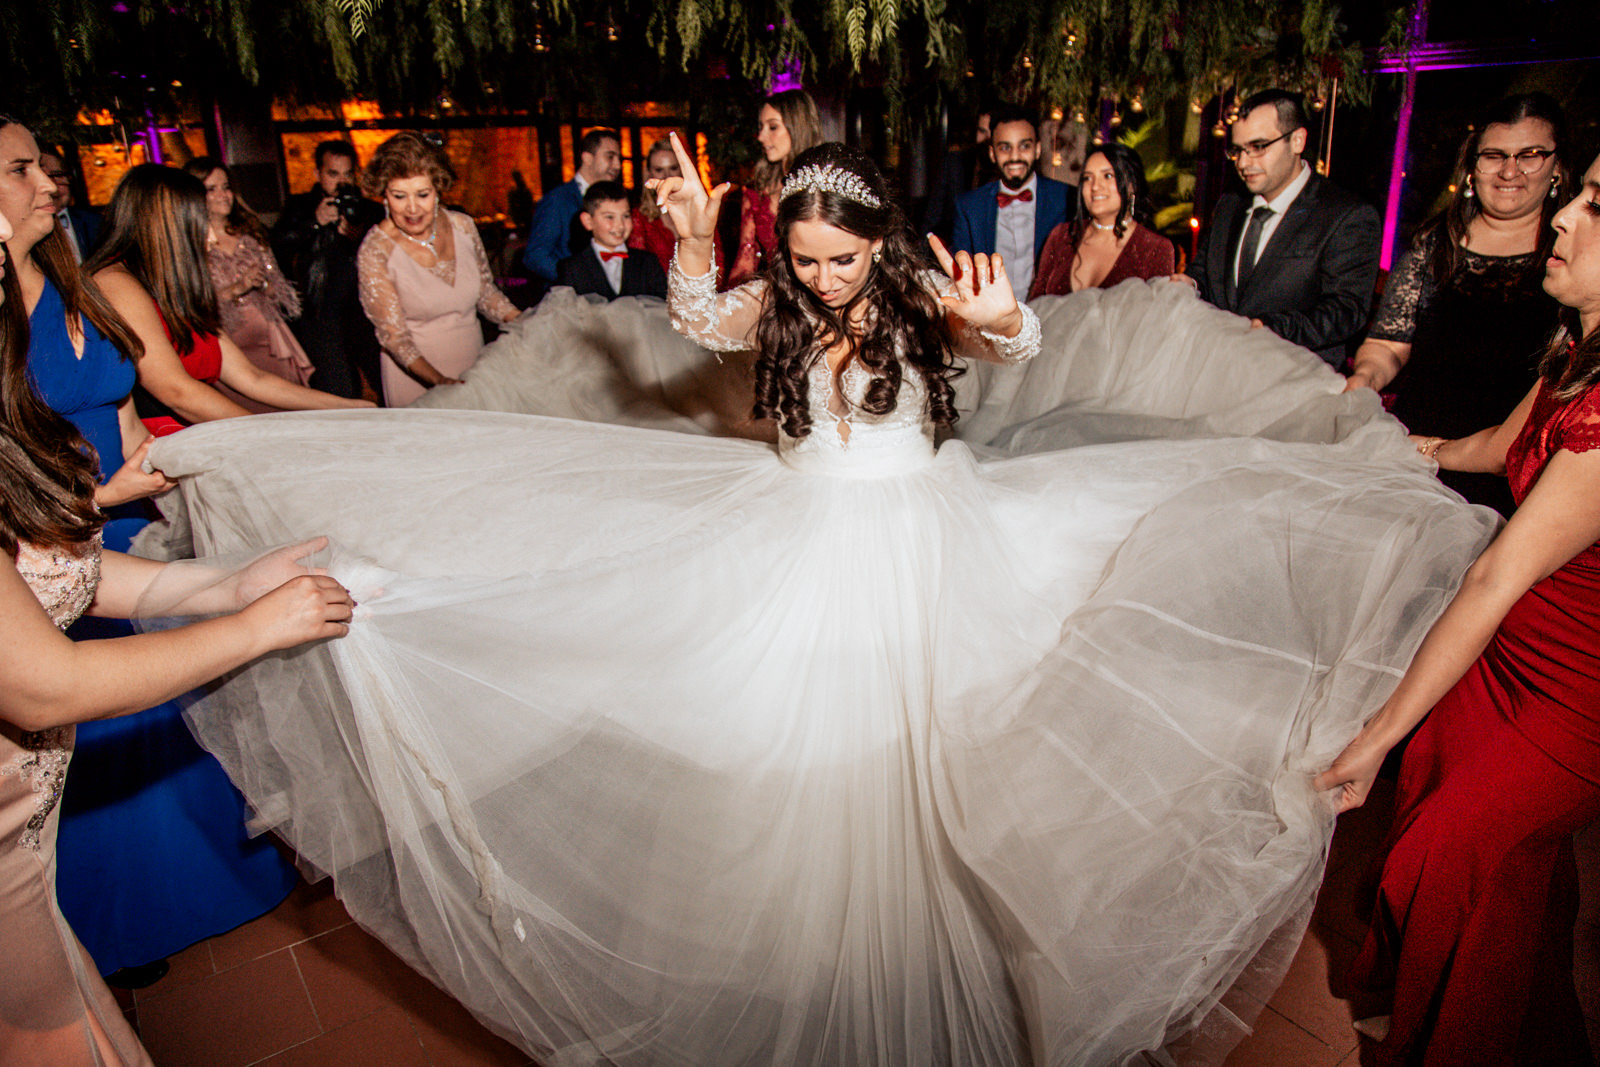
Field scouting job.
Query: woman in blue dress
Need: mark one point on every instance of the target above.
(153, 850)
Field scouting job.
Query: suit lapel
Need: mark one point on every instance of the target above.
(1287, 235)
(989, 216)
(1229, 250)
(599, 272)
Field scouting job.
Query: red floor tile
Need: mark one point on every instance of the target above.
(1307, 996)
(385, 1037)
(190, 965)
(454, 1038)
(231, 1018)
(308, 911)
(349, 974)
(1278, 1042)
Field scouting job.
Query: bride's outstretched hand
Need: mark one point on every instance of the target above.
(983, 293)
(684, 200)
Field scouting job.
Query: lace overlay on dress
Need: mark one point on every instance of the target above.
(229, 268)
(65, 583)
(381, 300)
(1411, 285)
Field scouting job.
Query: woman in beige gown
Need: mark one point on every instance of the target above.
(55, 1011)
(424, 273)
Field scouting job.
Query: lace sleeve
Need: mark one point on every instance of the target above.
(381, 300)
(1404, 296)
(1580, 424)
(722, 322)
(278, 289)
(494, 304)
(974, 342)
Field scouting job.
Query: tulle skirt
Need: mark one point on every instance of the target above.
(663, 748)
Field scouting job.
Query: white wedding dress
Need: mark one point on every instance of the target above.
(654, 747)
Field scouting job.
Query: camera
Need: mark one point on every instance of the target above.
(349, 202)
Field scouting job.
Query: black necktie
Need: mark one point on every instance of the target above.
(1251, 248)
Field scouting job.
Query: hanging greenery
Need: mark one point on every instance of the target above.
(126, 54)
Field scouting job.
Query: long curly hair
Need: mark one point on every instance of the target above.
(902, 321)
(1448, 229)
(155, 226)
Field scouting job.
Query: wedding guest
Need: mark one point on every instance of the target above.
(1299, 255)
(1111, 241)
(605, 268)
(424, 273)
(151, 265)
(315, 240)
(652, 229)
(1464, 314)
(54, 1008)
(1471, 935)
(1014, 214)
(786, 126)
(554, 235)
(252, 294)
(960, 172)
(81, 227)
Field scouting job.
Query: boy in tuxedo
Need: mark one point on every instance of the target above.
(605, 266)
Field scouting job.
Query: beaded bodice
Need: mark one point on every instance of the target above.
(64, 582)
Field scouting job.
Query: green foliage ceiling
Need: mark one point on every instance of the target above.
(127, 55)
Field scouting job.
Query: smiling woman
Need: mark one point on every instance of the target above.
(424, 278)
(1463, 317)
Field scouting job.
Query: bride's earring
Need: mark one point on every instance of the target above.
(877, 253)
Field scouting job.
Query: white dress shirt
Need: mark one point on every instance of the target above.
(613, 266)
(1013, 234)
(1279, 204)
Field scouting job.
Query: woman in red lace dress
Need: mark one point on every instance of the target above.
(786, 125)
(1472, 930)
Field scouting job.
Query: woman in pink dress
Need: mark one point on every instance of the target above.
(253, 296)
(54, 1008)
(424, 273)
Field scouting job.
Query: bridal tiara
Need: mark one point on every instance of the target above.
(827, 178)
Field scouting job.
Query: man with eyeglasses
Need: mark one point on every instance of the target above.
(1299, 255)
(81, 228)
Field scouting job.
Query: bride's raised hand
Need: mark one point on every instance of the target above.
(684, 200)
(983, 293)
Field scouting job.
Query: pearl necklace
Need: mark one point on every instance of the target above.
(1097, 226)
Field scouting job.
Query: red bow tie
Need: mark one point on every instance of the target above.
(1025, 196)
(607, 257)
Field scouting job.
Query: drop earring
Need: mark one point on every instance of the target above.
(877, 253)
(1468, 194)
(1553, 182)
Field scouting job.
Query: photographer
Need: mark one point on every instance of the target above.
(315, 240)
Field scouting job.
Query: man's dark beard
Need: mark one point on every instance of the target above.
(1009, 184)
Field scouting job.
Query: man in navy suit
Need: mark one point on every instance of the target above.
(554, 234)
(1015, 214)
(607, 266)
(82, 228)
(1297, 255)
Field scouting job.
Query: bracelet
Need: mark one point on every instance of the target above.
(1430, 447)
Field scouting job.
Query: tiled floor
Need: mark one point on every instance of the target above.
(305, 987)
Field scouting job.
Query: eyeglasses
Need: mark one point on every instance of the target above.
(1529, 160)
(1254, 149)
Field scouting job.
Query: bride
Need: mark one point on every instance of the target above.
(658, 748)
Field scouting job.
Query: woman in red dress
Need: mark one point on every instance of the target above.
(1112, 242)
(1472, 930)
(786, 125)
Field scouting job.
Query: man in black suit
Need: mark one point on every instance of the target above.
(81, 228)
(1299, 255)
(315, 241)
(608, 267)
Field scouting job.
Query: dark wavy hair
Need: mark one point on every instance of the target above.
(1448, 229)
(48, 472)
(241, 220)
(155, 226)
(903, 321)
(1128, 170)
